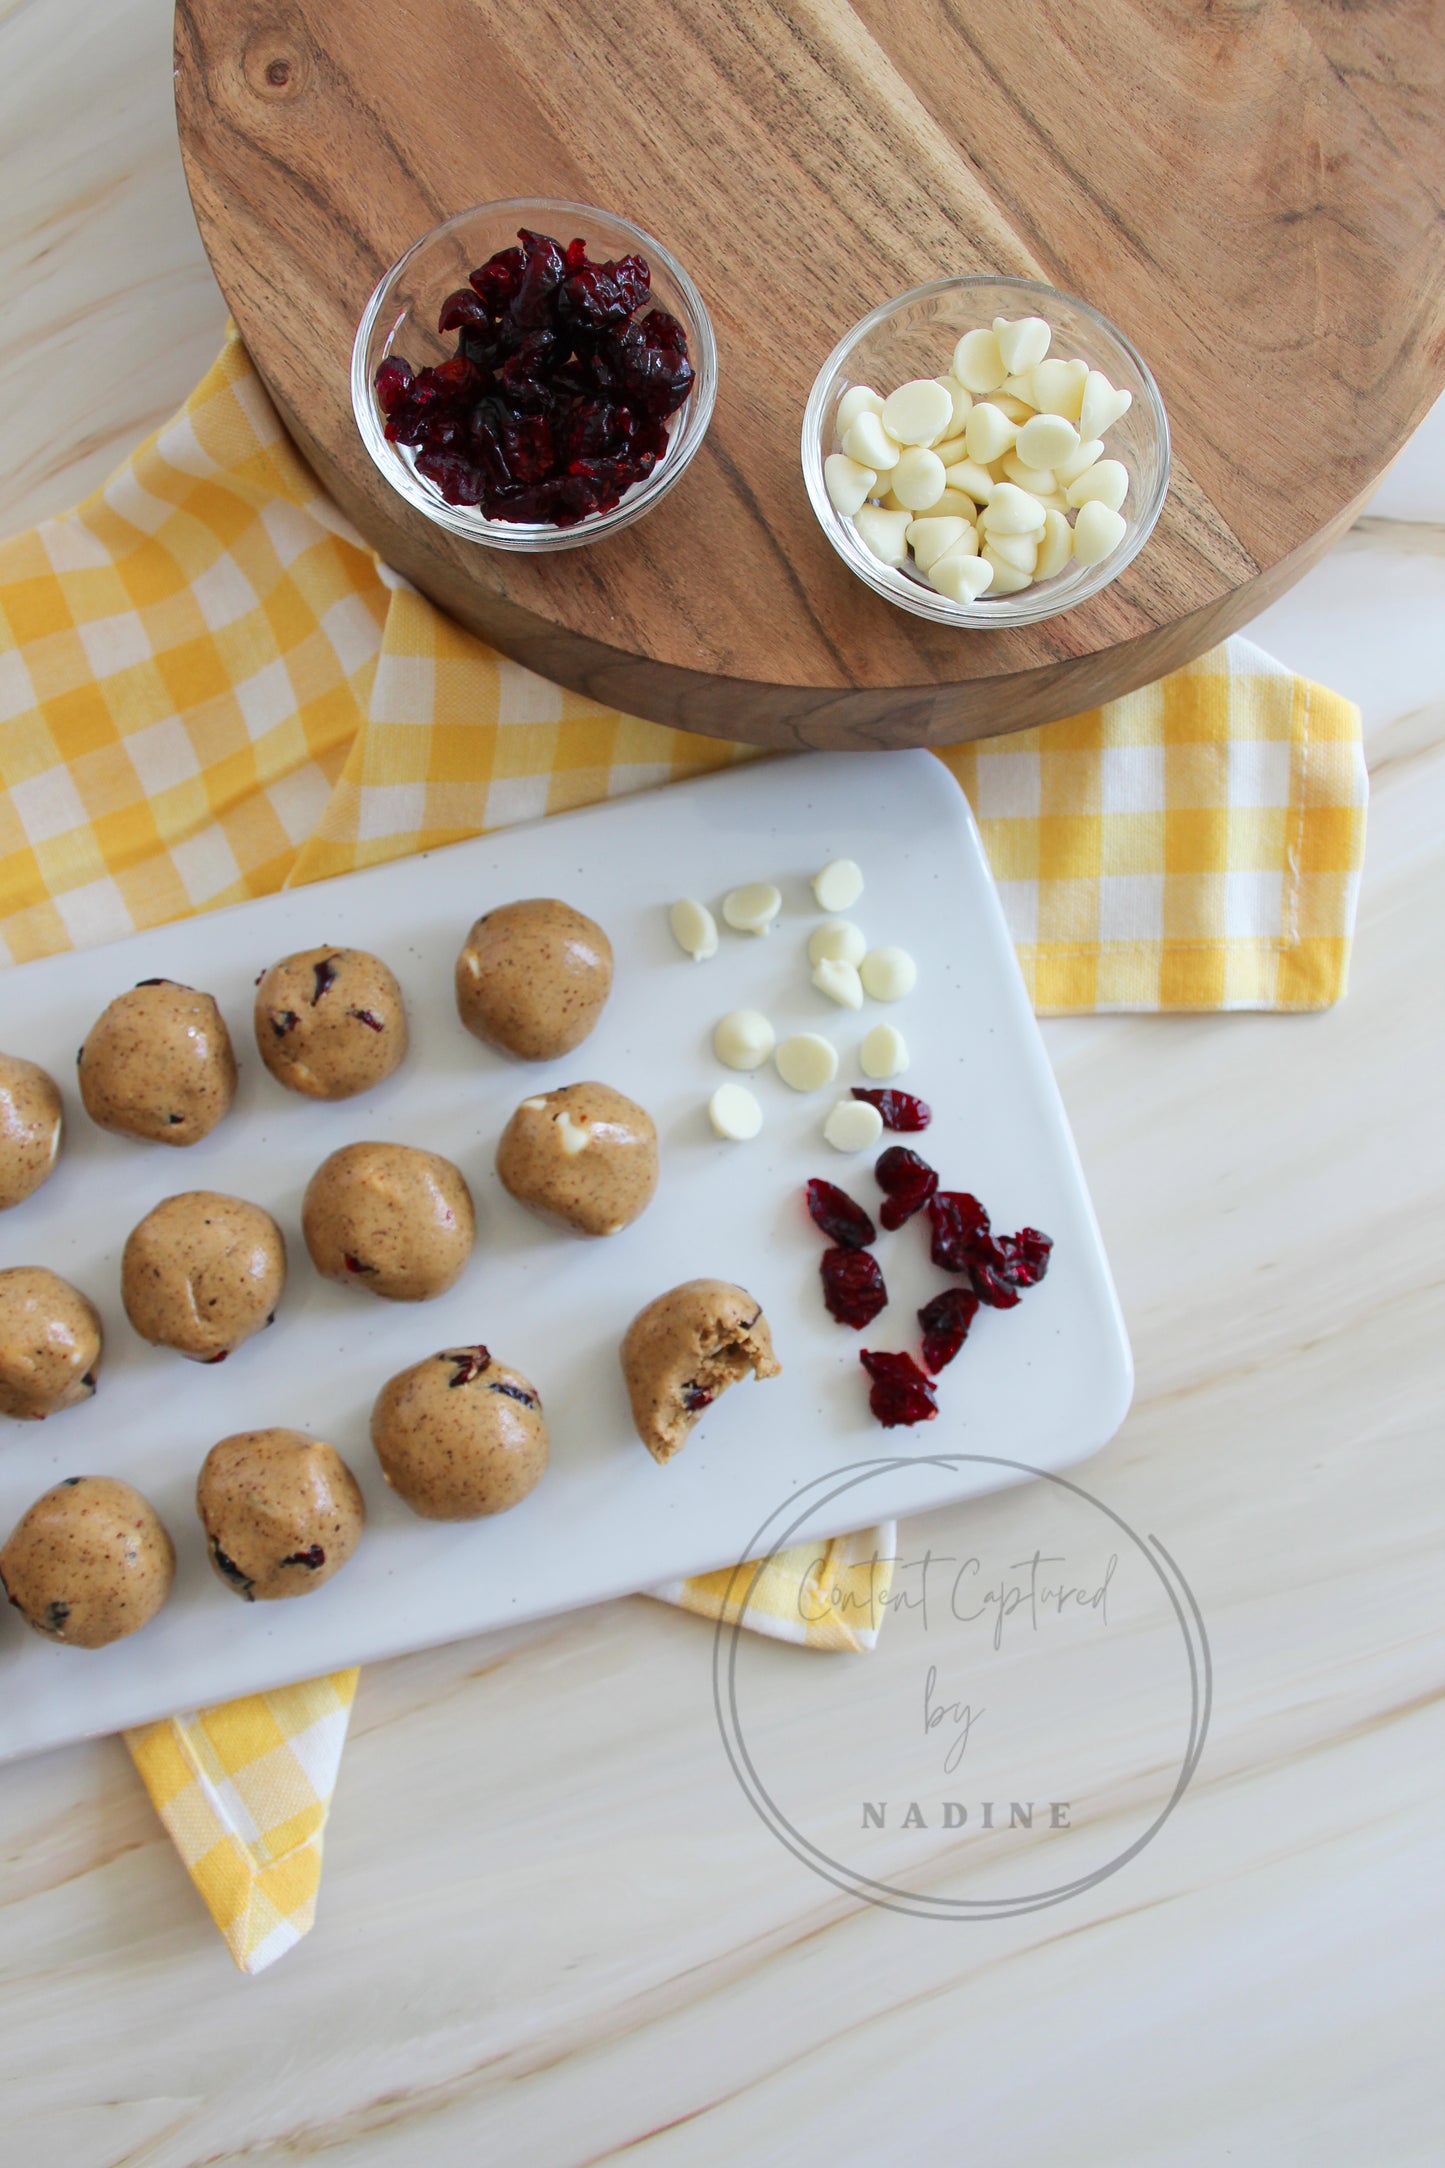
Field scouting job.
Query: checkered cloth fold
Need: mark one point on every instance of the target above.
(210, 689)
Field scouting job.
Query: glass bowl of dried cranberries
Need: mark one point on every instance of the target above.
(986, 451)
(534, 374)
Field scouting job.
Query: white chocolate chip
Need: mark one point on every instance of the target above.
(989, 433)
(884, 1052)
(889, 503)
(867, 441)
(858, 399)
(972, 480)
(1019, 387)
(853, 1126)
(1106, 482)
(1007, 579)
(1098, 531)
(839, 981)
(1056, 546)
(535, 1106)
(977, 362)
(1019, 550)
(1068, 470)
(473, 963)
(847, 483)
(1011, 511)
(918, 412)
(885, 533)
(735, 1113)
(1023, 342)
(694, 929)
(960, 400)
(954, 504)
(1047, 439)
(889, 973)
(1038, 481)
(753, 907)
(1059, 387)
(961, 576)
(1018, 411)
(743, 1039)
(951, 452)
(1102, 406)
(575, 1136)
(807, 1061)
(838, 942)
(839, 885)
(918, 478)
(931, 537)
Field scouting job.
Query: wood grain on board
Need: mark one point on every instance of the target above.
(1252, 191)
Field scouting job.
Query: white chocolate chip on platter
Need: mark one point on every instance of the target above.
(734, 1113)
(838, 886)
(888, 974)
(838, 942)
(839, 981)
(752, 908)
(694, 929)
(853, 1126)
(884, 1053)
(743, 1039)
(807, 1061)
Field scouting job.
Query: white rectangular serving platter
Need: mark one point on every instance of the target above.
(1046, 1383)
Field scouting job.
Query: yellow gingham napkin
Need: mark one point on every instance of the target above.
(210, 689)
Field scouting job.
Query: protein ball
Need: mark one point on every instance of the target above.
(282, 1513)
(391, 1219)
(684, 1350)
(158, 1064)
(89, 1563)
(50, 1343)
(202, 1272)
(533, 978)
(330, 1022)
(31, 1122)
(460, 1435)
(584, 1157)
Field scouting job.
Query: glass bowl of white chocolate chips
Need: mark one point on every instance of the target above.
(986, 451)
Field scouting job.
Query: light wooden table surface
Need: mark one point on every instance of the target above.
(552, 1929)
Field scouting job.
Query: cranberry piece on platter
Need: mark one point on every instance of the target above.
(841, 1220)
(945, 1321)
(900, 1393)
(853, 1286)
(907, 1183)
(900, 1110)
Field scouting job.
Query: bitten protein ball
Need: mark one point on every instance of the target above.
(389, 1218)
(330, 1022)
(684, 1350)
(89, 1563)
(158, 1064)
(50, 1343)
(460, 1435)
(282, 1513)
(584, 1157)
(201, 1273)
(533, 978)
(31, 1121)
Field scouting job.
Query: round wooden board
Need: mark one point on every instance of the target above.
(1252, 192)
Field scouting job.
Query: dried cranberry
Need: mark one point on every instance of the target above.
(945, 1321)
(496, 281)
(841, 1220)
(1027, 1254)
(462, 307)
(900, 1393)
(606, 293)
(324, 974)
(900, 1110)
(354, 1264)
(542, 270)
(467, 1363)
(514, 1392)
(853, 1286)
(393, 378)
(960, 1229)
(695, 1398)
(284, 1020)
(907, 1182)
(313, 1557)
(364, 1016)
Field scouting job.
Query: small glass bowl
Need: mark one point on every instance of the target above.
(915, 336)
(401, 318)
